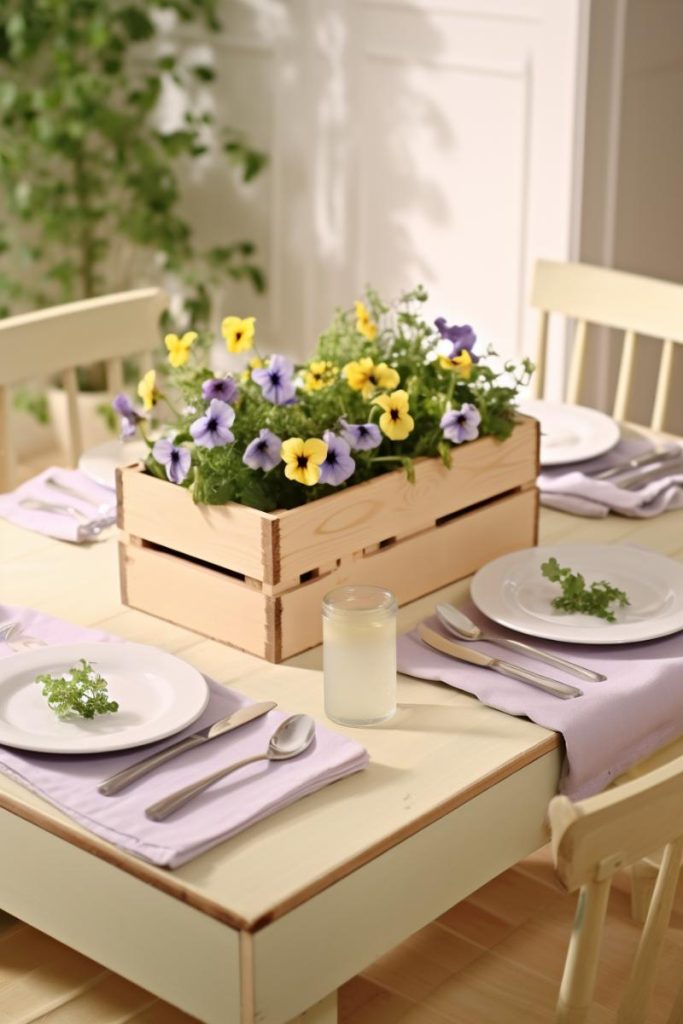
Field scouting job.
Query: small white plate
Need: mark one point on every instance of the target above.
(100, 463)
(571, 433)
(158, 694)
(513, 592)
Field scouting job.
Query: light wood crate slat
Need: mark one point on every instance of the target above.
(256, 580)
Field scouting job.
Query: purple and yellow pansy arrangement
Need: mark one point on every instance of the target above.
(383, 388)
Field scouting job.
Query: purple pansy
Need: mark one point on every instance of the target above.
(338, 465)
(264, 451)
(223, 388)
(177, 461)
(276, 380)
(455, 339)
(213, 428)
(130, 417)
(361, 436)
(462, 424)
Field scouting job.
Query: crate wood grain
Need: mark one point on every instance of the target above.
(256, 580)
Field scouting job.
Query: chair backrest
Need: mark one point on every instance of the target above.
(58, 340)
(609, 298)
(592, 840)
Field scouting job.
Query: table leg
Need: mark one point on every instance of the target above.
(324, 1012)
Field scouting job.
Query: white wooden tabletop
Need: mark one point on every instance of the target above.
(440, 748)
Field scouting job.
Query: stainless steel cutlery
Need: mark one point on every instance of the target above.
(523, 675)
(652, 455)
(135, 771)
(291, 738)
(457, 623)
(74, 492)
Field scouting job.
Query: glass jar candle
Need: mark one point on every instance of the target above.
(359, 655)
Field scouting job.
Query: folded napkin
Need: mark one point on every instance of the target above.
(614, 724)
(228, 807)
(570, 488)
(84, 516)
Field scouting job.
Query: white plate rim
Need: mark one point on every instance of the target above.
(611, 433)
(492, 576)
(112, 454)
(192, 688)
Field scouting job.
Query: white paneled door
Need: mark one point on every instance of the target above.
(432, 141)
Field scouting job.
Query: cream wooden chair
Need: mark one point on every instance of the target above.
(609, 298)
(60, 339)
(594, 839)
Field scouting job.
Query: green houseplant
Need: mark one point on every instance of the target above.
(84, 167)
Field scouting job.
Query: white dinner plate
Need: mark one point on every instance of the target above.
(158, 694)
(571, 433)
(100, 463)
(513, 592)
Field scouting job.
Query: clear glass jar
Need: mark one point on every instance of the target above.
(359, 655)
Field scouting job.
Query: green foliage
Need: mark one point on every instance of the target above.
(83, 165)
(576, 597)
(80, 691)
(398, 336)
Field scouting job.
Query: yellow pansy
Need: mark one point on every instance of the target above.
(364, 325)
(319, 375)
(395, 421)
(255, 363)
(238, 333)
(462, 363)
(179, 348)
(303, 459)
(147, 390)
(365, 377)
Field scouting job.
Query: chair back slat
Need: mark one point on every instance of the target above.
(541, 355)
(577, 364)
(114, 375)
(6, 451)
(663, 389)
(70, 384)
(625, 379)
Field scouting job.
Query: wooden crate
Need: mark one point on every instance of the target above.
(256, 579)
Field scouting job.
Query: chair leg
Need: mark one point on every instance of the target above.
(633, 1006)
(581, 966)
(643, 877)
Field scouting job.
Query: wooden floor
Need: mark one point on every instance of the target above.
(496, 958)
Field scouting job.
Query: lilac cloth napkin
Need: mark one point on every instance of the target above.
(569, 489)
(70, 783)
(614, 724)
(98, 506)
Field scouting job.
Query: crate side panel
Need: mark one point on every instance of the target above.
(389, 506)
(417, 565)
(194, 596)
(231, 536)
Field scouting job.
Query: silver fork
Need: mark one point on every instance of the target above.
(20, 643)
(73, 492)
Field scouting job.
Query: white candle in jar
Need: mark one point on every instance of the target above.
(359, 655)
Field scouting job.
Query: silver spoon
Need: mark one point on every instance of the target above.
(291, 738)
(73, 492)
(459, 625)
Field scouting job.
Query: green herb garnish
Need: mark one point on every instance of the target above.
(576, 597)
(80, 691)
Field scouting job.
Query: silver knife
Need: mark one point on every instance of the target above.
(636, 481)
(464, 652)
(644, 459)
(135, 771)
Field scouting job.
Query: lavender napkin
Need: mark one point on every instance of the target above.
(570, 488)
(95, 505)
(614, 724)
(235, 803)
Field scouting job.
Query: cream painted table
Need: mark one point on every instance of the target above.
(266, 926)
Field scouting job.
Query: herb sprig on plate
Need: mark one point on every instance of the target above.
(577, 597)
(80, 691)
